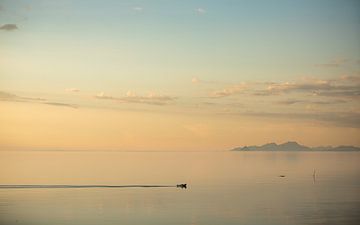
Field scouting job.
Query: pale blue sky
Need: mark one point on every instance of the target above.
(161, 43)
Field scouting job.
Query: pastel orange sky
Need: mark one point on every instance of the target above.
(178, 75)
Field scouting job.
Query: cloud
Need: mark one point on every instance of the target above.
(235, 89)
(9, 27)
(322, 96)
(131, 97)
(316, 85)
(5, 96)
(344, 86)
(138, 9)
(61, 104)
(350, 78)
(298, 101)
(200, 11)
(350, 93)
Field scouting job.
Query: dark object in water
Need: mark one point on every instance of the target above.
(281, 175)
(181, 186)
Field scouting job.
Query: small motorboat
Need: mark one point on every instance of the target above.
(181, 186)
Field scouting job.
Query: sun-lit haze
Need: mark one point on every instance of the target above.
(178, 75)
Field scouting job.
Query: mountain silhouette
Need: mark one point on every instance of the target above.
(294, 146)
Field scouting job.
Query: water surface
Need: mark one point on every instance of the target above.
(224, 188)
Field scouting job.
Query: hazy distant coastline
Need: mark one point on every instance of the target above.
(294, 146)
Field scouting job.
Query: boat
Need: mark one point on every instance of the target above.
(181, 186)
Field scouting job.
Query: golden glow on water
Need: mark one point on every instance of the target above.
(227, 187)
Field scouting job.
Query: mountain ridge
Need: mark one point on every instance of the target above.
(294, 146)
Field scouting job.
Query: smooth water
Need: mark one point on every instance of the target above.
(224, 188)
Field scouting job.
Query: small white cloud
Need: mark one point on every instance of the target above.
(131, 97)
(200, 11)
(138, 9)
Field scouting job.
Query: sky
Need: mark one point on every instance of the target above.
(166, 75)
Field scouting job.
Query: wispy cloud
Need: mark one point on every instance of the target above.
(5, 96)
(9, 27)
(302, 101)
(61, 104)
(310, 99)
(350, 78)
(232, 90)
(345, 86)
(333, 87)
(131, 97)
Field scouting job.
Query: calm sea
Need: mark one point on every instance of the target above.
(223, 188)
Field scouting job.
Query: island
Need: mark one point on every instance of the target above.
(294, 146)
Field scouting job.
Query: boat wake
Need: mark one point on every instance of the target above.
(18, 186)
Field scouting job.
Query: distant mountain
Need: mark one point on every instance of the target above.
(294, 146)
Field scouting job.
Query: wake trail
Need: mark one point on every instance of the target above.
(18, 186)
